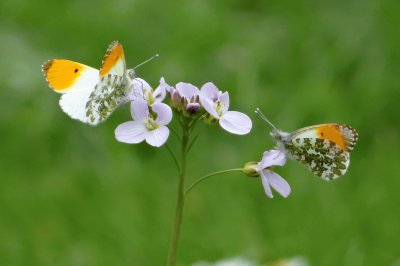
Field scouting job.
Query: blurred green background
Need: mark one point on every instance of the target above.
(70, 194)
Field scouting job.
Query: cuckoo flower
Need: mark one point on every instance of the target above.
(216, 104)
(268, 177)
(146, 125)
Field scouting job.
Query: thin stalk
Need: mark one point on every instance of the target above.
(173, 157)
(176, 134)
(210, 175)
(192, 142)
(180, 201)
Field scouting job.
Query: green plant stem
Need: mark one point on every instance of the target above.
(210, 175)
(180, 201)
(173, 157)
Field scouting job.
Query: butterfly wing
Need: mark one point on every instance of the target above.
(107, 95)
(74, 81)
(113, 61)
(322, 157)
(324, 149)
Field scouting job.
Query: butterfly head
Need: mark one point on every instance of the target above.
(279, 137)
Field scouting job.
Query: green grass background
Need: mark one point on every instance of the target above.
(70, 194)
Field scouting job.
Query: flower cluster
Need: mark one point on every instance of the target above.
(151, 116)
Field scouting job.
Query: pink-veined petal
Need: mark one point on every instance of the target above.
(208, 105)
(141, 83)
(224, 99)
(138, 86)
(158, 136)
(236, 122)
(265, 184)
(131, 132)
(187, 90)
(139, 110)
(272, 157)
(209, 91)
(164, 113)
(277, 183)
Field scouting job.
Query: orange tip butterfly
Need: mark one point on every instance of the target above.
(90, 95)
(324, 149)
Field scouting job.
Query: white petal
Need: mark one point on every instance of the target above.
(277, 183)
(131, 132)
(137, 88)
(187, 90)
(236, 122)
(164, 113)
(139, 110)
(224, 99)
(157, 137)
(165, 85)
(159, 94)
(141, 84)
(266, 186)
(208, 105)
(272, 157)
(209, 91)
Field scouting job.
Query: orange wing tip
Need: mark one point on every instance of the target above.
(114, 53)
(344, 136)
(332, 133)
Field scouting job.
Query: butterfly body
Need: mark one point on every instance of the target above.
(324, 149)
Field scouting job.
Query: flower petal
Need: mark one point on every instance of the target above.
(224, 99)
(277, 183)
(272, 157)
(164, 113)
(131, 132)
(265, 183)
(139, 110)
(165, 85)
(208, 105)
(159, 93)
(187, 90)
(209, 91)
(137, 88)
(158, 136)
(141, 84)
(236, 122)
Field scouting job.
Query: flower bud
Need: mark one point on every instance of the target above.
(192, 108)
(251, 169)
(188, 107)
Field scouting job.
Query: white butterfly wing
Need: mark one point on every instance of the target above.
(74, 81)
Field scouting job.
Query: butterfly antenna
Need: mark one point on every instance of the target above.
(263, 117)
(148, 60)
